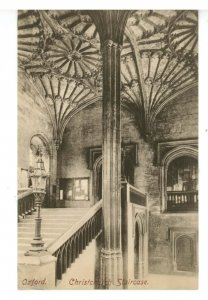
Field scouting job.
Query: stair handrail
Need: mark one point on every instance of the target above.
(27, 192)
(25, 203)
(54, 246)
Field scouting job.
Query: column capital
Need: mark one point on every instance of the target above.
(57, 143)
(54, 146)
(110, 43)
(110, 24)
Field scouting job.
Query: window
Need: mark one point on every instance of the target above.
(75, 189)
(182, 184)
(178, 175)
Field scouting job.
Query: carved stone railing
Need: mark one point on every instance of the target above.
(182, 201)
(68, 246)
(26, 203)
(136, 197)
(132, 194)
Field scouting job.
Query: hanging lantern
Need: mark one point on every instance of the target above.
(39, 177)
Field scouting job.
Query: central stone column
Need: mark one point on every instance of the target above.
(110, 25)
(111, 255)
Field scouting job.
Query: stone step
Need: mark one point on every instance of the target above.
(23, 239)
(62, 212)
(43, 230)
(57, 212)
(23, 247)
(48, 225)
(55, 222)
(57, 218)
(31, 234)
(52, 215)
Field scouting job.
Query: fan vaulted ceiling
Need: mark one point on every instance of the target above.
(60, 52)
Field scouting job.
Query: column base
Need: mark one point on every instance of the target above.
(111, 269)
(37, 247)
(37, 272)
(36, 251)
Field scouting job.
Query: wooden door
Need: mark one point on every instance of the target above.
(185, 254)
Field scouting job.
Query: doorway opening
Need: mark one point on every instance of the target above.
(185, 254)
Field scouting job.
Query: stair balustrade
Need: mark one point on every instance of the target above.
(26, 203)
(68, 246)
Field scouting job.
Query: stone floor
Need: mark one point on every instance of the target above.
(81, 276)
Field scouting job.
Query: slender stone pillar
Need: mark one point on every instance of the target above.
(111, 255)
(53, 176)
(57, 145)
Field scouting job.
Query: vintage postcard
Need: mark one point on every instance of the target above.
(107, 149)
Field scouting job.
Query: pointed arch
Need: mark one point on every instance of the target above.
(97, 168)
(180, 151)
(139, 253)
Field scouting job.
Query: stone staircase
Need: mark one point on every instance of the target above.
(55, 222)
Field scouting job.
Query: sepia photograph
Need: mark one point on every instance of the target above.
(107, 150)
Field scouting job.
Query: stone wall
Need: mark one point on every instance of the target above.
(32, 119)
(177, 121)
(160, 246)
(83, 130)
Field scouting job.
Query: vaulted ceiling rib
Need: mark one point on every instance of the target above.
(60, 51)
(165, 53)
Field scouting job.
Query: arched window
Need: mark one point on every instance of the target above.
(39, 143)
(182, 184)
(179, 178)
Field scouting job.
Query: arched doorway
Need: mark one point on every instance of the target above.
(99, 182)
(97, 179)
(136, 252)
(185, 253)
(139, 255)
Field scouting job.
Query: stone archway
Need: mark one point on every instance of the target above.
(184, 249)
(139, 255)
(97, 179)
(184, 253)
(136, 251)
(186, 151)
